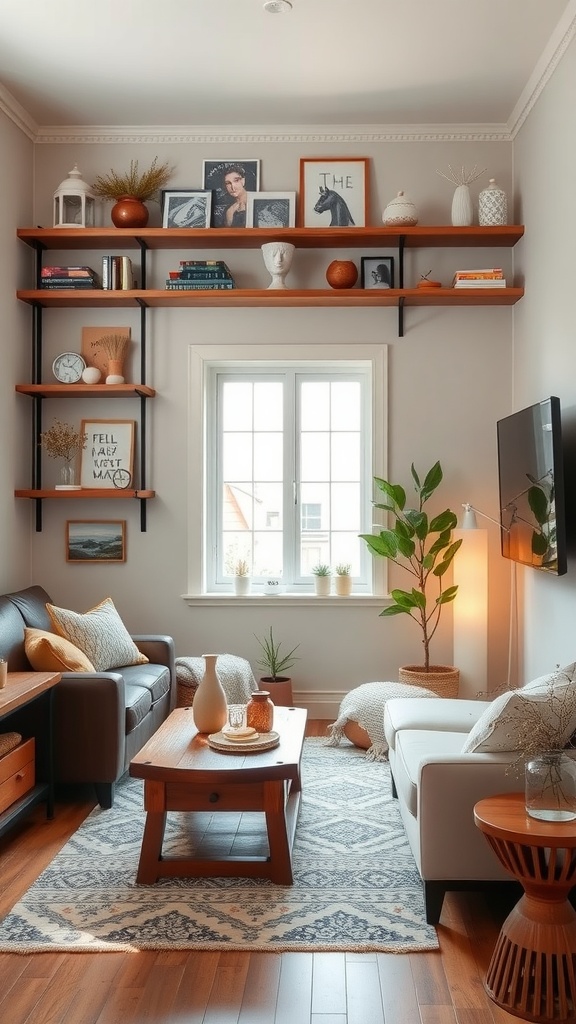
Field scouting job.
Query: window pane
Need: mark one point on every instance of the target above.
(345, 456)
(345, 405)
(315, 405)
(268, 406)
(315, 457)
(268, 456)
(237, 456)
(237, 507)
(268, 554)
(237, 405)
(268, 499)
(345, 507)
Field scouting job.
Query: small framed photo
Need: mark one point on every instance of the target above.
(108, 458)
(96, 540)
(230, 181)
(271, 210)
(186, 208)
(333, 193)
(377, 272)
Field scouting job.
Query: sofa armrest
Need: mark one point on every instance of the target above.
(160, 650)
(89, 726)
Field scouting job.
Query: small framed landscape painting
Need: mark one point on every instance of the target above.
(271, 210)
(108, 458)
(186, 208)
(333, 193)
(96, 540)
(377, 272)
(230, 181)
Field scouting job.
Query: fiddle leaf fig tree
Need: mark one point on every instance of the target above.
(423, 547)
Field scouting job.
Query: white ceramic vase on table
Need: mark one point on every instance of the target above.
(210, 707)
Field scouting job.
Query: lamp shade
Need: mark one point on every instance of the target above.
(74, 203)
(471, 611)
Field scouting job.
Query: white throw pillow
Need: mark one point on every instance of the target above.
(99, 633)
(542, 713)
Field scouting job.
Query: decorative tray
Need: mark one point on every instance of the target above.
(266, 741)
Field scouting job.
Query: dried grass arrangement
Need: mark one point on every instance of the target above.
(114, 345)
(62, 441)
(143, 186)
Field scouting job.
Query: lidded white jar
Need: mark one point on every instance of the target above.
(492, 205)
(400, 212)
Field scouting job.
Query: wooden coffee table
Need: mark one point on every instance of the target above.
(181, 772)
(532, 973)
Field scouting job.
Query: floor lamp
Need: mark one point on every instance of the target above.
(471, 606)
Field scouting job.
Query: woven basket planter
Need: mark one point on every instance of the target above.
(441, 679)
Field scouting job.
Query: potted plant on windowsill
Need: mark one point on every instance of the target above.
(343, 580)
(425, 549)
(275, 665)
(241, 577)
(322, 579)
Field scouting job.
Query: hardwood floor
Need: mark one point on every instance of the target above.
(438, 987)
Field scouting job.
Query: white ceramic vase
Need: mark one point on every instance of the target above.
(492, 205)
(462, 209)
(210, 707)
(322, 585)
(343, 585)
(241, 585)
(278, 260)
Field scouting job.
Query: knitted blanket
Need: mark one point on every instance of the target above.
(234, 673)
(365, 705)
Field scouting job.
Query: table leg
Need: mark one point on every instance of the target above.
(151, 852)
(275, 810)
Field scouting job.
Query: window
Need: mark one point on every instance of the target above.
(288, 465)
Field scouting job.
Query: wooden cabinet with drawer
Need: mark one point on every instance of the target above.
(17, 773)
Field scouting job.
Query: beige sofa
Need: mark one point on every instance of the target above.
(437, 784)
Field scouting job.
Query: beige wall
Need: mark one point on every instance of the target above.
(15, 430)
(449, 380)
(545, 336)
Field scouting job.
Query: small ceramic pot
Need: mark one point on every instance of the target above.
(400, 212)
(342, 274)
(129, 212)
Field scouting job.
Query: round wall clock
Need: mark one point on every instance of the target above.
(68, 367)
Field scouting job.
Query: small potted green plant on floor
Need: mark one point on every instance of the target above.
(275, 665)
(322, 578)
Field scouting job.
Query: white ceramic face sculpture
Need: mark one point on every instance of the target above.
(278, 260)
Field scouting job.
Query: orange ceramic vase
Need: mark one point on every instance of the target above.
(129, 212)
(342, 274)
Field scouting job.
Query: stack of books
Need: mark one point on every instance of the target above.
(200, 275)
(490, 277)
(117, 273)
(68, 277)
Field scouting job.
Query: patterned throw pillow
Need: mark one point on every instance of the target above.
(99, 633)
(49, 652)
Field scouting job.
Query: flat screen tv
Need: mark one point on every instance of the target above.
(531, 481)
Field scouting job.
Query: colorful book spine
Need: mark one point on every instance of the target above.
(55, 283)
(199, 275)
(188, 286)
(481, 283)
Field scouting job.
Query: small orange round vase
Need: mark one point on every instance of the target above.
(129, 212)
(342, 274)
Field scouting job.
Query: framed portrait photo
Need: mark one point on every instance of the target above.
(96, 540)
(186, 208)
(333, 193)
(271, 210)
(108, 458)
(230, 181)
(377, 272)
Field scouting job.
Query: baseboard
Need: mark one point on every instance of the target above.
(320, 704)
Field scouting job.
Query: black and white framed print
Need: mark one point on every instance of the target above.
(333, 193)
(230, 181)
(186, 208)
(377, 272)
(271, 210)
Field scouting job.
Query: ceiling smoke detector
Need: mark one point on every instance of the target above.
(277, 6)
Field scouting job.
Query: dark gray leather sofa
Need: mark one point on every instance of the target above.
(101, 720)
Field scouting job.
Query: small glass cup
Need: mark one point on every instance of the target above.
(236, 716)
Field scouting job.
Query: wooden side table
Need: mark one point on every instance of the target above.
(532, 973)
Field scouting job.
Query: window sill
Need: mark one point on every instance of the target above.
(287, 600)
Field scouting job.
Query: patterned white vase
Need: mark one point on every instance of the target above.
(462, 209)
(492, 205)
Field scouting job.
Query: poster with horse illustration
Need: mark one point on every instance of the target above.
(333, 192)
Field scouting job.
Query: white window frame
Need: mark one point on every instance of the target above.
(202, 361)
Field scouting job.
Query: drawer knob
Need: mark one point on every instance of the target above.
(214, 798)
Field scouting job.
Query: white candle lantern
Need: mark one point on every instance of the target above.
(74, 203)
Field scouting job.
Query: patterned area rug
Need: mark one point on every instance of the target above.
(356, 885)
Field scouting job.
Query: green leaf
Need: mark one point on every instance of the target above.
(415, 477)
(405, 599)
(403, 529)
(419, 598)
(394, 491)
(441, 542)
(539, 543)
(447, 595)
(406, 547)
(395, 609)
(418, 521)
(447, 520)
(431, 482)
(538, 504)
(384, 544)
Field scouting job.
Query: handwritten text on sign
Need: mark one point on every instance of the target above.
(109, 448)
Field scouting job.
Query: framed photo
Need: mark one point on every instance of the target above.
(186, 208)
(108, 458)
(230, 181)
(271, 210)
(333, 193)
(377, 272)
(96, 540)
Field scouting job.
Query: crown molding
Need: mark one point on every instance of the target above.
(545, 68)
(21, 118)
(250, 134)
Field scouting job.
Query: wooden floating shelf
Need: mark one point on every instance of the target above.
(419, 236)
(85, 390)
(254, 297)
(86, 492)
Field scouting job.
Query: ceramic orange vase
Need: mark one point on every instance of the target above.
(129, 212)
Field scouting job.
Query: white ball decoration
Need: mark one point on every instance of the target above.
(91, 375)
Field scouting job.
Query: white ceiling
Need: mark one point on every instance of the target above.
(229, 62)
